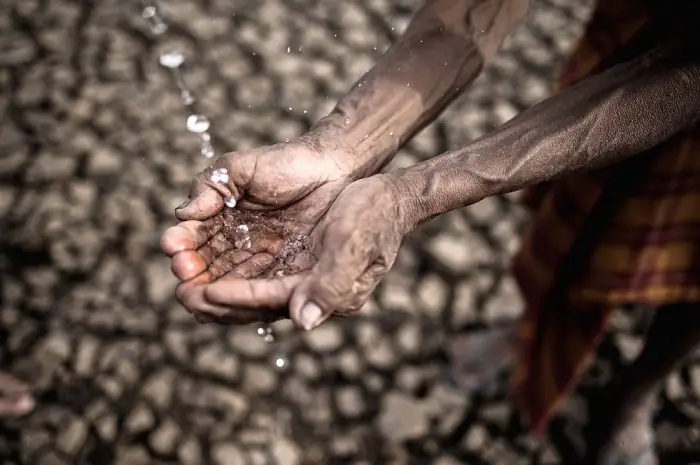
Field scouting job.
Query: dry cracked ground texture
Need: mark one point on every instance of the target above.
(94, 159)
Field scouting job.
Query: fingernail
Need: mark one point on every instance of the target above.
(183, 204)
(311, 316)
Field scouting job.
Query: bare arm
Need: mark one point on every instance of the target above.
(443, 50)
(604, 119)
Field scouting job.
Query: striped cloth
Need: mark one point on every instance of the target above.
(629, 234)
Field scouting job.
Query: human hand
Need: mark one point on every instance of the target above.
(354, 246)
(281, 191)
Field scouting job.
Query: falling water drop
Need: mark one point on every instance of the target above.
(159, 29)
(198, 123)
(266, 333)
(187, 97)
(150, 13)
(171, 59)
(281, 362)
(206, 149)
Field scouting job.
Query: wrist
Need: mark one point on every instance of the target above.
(434, 187)
(356, 146)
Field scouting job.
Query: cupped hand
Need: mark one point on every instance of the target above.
(355, 244)
(289, 186)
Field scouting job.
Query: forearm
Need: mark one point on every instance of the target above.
(442, 51)
(600, 121)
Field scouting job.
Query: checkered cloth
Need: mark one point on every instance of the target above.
(629, 234)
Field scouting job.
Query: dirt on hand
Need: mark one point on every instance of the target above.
(265, 233)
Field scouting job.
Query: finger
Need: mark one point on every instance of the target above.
(216, 246)
(207, 195)
(184, 287)
(204, 201)
(254, 266)
(16, 404)
(188, 264)
(269, 243)
(228, 261)
(333, 282)
(206, 311)
(219, 244)
(234, 291)
(188, 235)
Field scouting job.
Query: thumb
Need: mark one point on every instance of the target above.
(333, 286)
(226, 178)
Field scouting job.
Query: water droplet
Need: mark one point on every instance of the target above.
(230, 201)
(290, 108)
(279, 274)
(408, 84)
(197, 123)
(148, 12)
(172, 59)
(266, 333)
(289, 49)
(305, 112)
(347, 120)
(206, 150)
(391, 133)
(242, 228)
(445, 64)
(287, 140)
(159, 28)
(205, 136)
(300, 48)
(187, 97)
(392, 28)
(366, 136)
(219, 176)
(281, 362)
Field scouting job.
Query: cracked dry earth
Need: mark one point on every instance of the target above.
(94, 158)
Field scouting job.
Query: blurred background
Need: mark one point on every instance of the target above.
(94, 157)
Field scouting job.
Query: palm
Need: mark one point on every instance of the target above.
(286, 190)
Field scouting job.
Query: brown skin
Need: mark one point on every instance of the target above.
(356, 231)
(299, 181)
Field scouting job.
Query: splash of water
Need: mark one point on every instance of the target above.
(199, 124)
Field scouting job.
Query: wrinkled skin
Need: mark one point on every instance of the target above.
(295, 181)
(360, 228)
(296, 185)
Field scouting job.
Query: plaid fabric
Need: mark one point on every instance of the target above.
(627, 234)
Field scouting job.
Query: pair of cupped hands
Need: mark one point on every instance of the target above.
(356, 227)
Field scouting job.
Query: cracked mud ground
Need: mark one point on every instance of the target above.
(94, 158)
